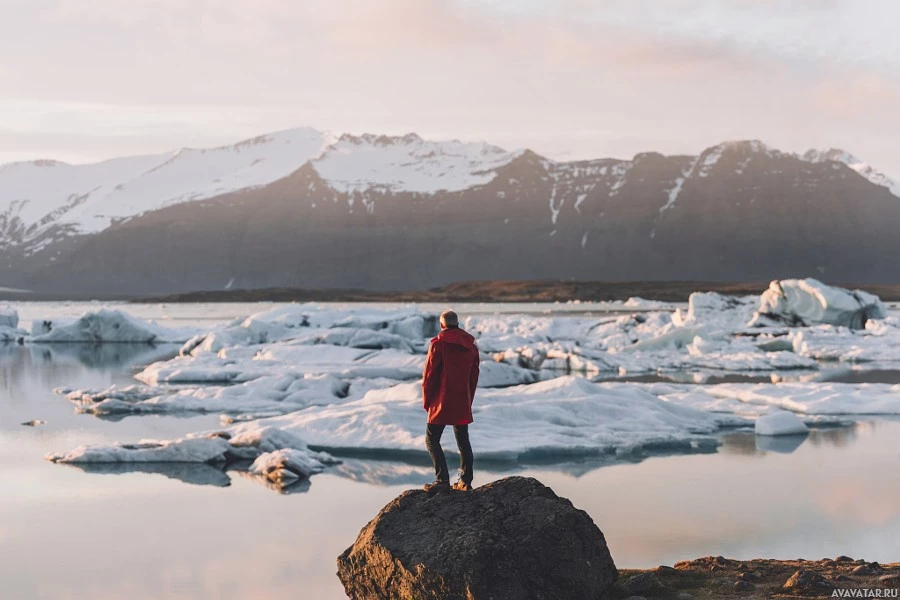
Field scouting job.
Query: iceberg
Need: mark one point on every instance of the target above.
(565, 417)
(104, 326)
(271, 394)
(9, 325)
(638, 303)
(561, 417)
(805, 302)
(300, 379)
(312, 323)
(275, 456)
(712, 309)
(285, 466)
(780, 422)
(9, 317)
(814, 398)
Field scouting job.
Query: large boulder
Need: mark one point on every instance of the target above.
(510, 539)
(804, 302)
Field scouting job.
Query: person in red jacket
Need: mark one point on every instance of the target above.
(448, 388)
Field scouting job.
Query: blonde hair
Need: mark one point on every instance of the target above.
(449, 319)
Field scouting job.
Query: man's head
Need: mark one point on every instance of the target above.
(449, 319)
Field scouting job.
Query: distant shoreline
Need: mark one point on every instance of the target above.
(469, 291)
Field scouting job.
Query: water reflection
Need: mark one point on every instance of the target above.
(201, 474)
(226, 536)
(24, 366)
(299, 486)
(194, 474)
(782, 444)
(748, 444)
(108, 356)
(390, 468)
(868, 374)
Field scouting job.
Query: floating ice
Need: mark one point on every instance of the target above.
(103, 326)
(271, 394)
(804, 302)
(780, 422)
(812, 398)
(711, 309)
(638, 303)
(9, 317)
(563, 416)
(9, 325)
(211, 449)
(348, 379)
(278, 456)
(289, 464)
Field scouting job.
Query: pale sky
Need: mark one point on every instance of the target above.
(83, 80)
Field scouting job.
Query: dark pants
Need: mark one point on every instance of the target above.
(433, 443)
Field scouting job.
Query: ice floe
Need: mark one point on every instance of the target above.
(804, 302)
(9, 325)
(271, 454)
(780, 422)
(104, 326)
(563, 416)
(267, 395)
(347, 380)
(812, 398)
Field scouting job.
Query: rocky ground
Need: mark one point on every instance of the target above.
(719, 577)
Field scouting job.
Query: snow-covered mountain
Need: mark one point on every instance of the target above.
(42, 196)
(864, 169)
(309, 208)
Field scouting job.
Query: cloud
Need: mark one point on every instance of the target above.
(570, 77)
(855, 95)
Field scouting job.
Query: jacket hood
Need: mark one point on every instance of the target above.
(455, 335)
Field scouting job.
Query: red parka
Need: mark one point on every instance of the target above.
(450, 378)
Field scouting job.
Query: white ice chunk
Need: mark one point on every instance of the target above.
(271, 394)
(187, 450)
(289, 464)
(9, 317)
(495, 375)
(780, 422)
(374, 327)
(811, 398)
(804, 302)
(9, 325)
(105, 325)
(565, 415)
(712, 309)
(638, 303)
(278, 455)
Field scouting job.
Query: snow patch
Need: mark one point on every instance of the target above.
(408, 164)
(864, 169)
(89, 198)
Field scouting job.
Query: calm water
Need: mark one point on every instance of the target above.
(65, 533)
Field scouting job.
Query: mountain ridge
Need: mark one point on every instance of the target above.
(304, 208)
(327, 151)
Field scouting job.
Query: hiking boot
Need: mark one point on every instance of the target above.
(462, 486)
(437, 486)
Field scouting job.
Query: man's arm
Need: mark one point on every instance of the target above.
(432, 373)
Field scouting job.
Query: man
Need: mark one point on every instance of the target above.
(448, 388)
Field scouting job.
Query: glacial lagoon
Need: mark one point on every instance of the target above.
(192, 531)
